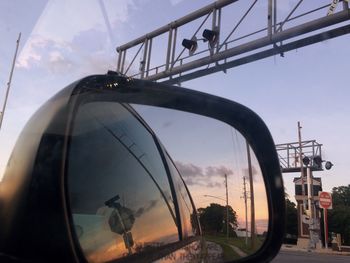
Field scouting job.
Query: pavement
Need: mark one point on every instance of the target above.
(329, 251)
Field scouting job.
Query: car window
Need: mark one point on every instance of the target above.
(189, 219)
(119, 192)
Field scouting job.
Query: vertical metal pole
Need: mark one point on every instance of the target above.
(218, 27)
(149, 56)
(252, 205)
(10, 79)
(119, 60)
(123, 61)
(174, 48)
(167, 62)
(246, 212)
(144, 59)
(275, 16)
(269, 19)
(213, 22)
(325, 226)
(309, 192)
(213, 27)
(226, 206)
(301, 165)
(345, 5)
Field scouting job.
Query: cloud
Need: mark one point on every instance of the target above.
(246, 172)
(175, 2)
(189, 170)
(207, 177)
(45, 53)
(86, 54)
(146, 208)
(218, 170)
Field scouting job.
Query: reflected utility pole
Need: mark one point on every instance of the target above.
(246, 210)
(9, 82)
(252, 205)
(226, 206)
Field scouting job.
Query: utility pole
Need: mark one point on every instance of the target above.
(226, 206)
(252, 205)
(246, 210)
(10, 79)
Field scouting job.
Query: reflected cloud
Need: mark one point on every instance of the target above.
(215, 170)
(146, 208)
(254, 172)
(189, 169)
(196, 175)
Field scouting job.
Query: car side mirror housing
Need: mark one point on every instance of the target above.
(114, 168)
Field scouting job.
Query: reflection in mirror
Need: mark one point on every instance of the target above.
(167, 185)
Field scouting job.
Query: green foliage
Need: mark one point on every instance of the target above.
(291, 218)
(213, 219)
(339, 216)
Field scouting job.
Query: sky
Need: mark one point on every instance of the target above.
(63, 41)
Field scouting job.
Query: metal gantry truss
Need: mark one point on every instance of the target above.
(289, 154)
(299, 28)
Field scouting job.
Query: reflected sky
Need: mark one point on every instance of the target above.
(204, 150)
(117, 183)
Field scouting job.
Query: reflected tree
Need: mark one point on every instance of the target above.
(213, 219)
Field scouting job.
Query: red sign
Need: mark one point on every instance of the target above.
(325, 200)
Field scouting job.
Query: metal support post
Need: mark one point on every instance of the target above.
(144, 59)
(309, 193)
(149, 57)
(123, 61)
(119, 61)
(325, 227)
(174, 48)
(167, 61)
(301, 165)
(269, 18)
(274, 16)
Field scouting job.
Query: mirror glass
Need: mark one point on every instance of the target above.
(156, 184)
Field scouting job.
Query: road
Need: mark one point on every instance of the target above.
(308, 257)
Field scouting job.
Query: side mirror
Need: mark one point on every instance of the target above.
(119, 169)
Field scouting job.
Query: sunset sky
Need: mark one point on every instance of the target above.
(64, 40)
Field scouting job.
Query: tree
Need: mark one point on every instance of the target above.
(291, 218)
(339, 216)
(213, 219)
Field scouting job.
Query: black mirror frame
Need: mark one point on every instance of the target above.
(248, 123)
